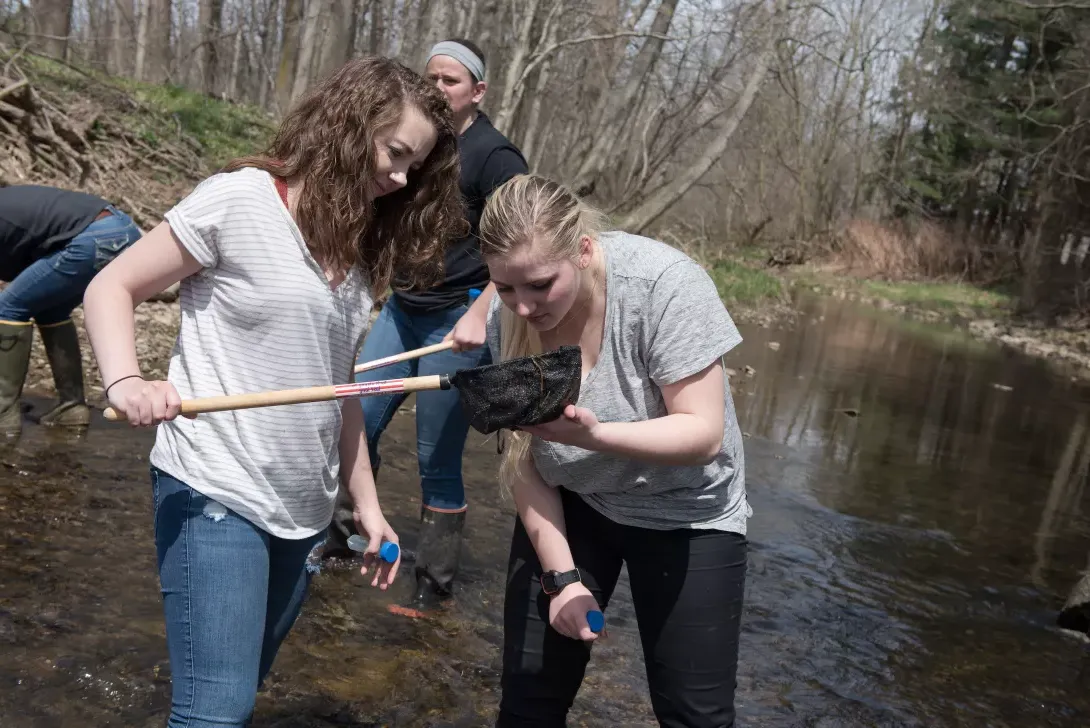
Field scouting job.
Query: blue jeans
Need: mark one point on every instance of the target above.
(441, 427)
(231, 593)
(51, 287)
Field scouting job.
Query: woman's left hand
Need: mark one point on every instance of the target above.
(372, 525)
(577, 427)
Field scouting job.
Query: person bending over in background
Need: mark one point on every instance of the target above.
(52, 243)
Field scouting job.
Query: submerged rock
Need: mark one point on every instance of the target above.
(1075, 614)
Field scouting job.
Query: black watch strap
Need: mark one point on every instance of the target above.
(553, 581)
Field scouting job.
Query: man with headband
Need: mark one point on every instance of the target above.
(412, 319)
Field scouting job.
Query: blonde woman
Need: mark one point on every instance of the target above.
(645, 470)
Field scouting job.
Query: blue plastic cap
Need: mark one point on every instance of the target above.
(389, 552)
(474, 293)
(596, 621)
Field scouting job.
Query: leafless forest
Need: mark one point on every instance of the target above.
(937, 138)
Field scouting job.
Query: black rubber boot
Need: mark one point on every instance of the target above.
(15, 341)
(437, 554)
(61, 343)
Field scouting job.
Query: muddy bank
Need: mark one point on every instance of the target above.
(1067, 348)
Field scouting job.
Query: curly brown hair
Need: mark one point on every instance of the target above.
(328, 139)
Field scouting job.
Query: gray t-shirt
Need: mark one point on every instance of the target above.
(664, 322)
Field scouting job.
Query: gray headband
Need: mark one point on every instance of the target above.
(460, 53)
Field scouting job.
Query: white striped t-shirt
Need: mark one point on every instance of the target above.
(259, 316)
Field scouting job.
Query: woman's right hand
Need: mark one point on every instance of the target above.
(568, 612)
(145, 403)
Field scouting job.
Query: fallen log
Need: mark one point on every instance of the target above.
(1075, 614)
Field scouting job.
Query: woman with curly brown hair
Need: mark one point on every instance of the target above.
(278, 256)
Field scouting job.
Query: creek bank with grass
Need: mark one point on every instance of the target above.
(758, 294)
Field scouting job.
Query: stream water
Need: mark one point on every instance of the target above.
(920, 513)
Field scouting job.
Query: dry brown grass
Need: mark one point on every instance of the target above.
(902, 252)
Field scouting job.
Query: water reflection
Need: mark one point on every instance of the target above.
(952, 518)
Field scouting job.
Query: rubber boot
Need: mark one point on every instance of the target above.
(61, 343)
(437, 554)
(15, 341)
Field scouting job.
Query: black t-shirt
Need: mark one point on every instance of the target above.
(488, 160)
(36, 221)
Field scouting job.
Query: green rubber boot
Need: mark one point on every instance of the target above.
(62, 347)
(15, 340)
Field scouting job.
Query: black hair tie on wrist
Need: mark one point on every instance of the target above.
(131, 376)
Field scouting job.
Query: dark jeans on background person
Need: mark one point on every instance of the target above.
(50, 288)
(441, 426)
(687, 590)
(231, 593)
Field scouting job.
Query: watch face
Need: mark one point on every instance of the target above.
(552, 582)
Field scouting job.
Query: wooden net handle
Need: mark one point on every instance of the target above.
(326, 393)
(404, 356)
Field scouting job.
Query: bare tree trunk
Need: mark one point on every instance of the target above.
(489, 9)
(236, 56)
(355, 23)
(306, 49)
(97, 29)
(467, 21)
(340, 35)
(210, 19)
(157, 53)
(270, 56)
(140, 64)
(289, 53)
(323, 33)
(655, 205)
(512, 89)
(415, 33)
(376, 42)
(52, 24)
(535, 117)
(118, 38)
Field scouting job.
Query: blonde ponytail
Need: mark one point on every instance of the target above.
(526, 208)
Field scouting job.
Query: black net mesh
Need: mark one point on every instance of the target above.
(519, 392)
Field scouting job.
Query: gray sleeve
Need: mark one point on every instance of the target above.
(688, 327)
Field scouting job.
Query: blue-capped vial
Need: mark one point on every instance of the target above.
(388, 552)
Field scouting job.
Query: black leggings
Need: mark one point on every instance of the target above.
(687, 588)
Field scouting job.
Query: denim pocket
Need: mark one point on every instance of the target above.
(108, 247)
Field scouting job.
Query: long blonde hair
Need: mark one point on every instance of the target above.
(526, 208)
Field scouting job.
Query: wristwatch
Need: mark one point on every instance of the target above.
(553, 581)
